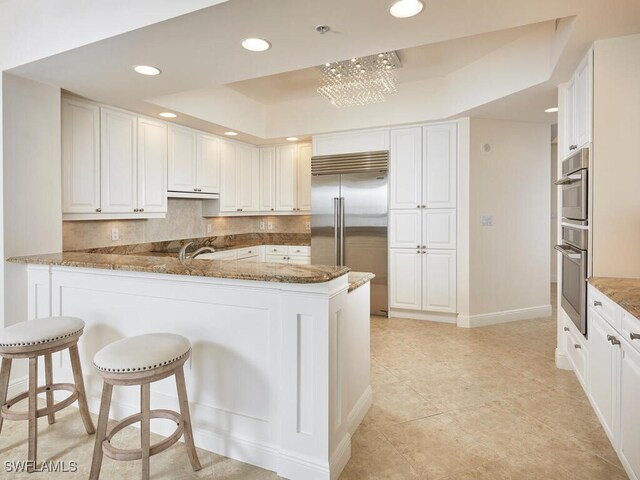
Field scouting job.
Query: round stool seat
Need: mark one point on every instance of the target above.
(142, 352)
(39, 331)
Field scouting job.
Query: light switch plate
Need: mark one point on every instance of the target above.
(115, 234)
(269, 225)
(209, 229)
(308, 225)
(261, 225)
(486, 220)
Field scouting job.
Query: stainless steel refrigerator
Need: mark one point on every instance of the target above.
(349, 197)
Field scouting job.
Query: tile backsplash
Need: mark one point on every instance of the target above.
(184, 220)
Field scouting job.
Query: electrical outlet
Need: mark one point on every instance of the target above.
(209, 228)
(307, 225)
(261, 225)
(486, 220)
(115, 234)
(269, 225)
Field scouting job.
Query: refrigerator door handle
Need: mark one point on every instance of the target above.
(336, 229)
(341, 249)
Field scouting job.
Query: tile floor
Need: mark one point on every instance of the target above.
(449, 403)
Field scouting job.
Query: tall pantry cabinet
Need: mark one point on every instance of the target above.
(422, 219)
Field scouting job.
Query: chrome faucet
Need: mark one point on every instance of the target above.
(182, 256)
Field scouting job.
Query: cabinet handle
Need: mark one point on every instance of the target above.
(238, 209)
(573, 147)
(141, 210)
(136, 210)
(424, 206)
(613, 340)
(273, 209)
(98, 210)
(634, 336)
(566, 329)
(597, 303)
(418, 206)
(577, 346)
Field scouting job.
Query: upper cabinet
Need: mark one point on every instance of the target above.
(577, 107)
(194, 163)
(406, 168)
(114, 163)
(293, 178)
(304, 177)
(439, 170)
(240, 167)
(267, 201)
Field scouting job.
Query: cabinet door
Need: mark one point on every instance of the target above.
(118, 161)
(228, 177)
(583, 101)
(304, 177)
(152, 166)
(405, 271)
(629, 419)
(405, 229)
(439, 281)
(267, 202)
(440, 166)
(80, 157)
(569, 118)
(439, 228)
(286, 178)
(406, 168)
(208, 164)
(602, 369)
(182, 160)
(247, 182)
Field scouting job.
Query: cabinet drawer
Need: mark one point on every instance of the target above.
(299, 250)
(299, 260)
(631, 326)
(276, 258)
(605, 307)
(575, 348)
(224, 255)
(248, 252)
(276, 249)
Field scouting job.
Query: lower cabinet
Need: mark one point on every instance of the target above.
(423, 280)
(629, 435)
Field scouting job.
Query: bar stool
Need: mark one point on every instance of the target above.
(142, 360)
(32, 339)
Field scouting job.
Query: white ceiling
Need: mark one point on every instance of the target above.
(201, 50)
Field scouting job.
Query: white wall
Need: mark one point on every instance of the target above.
(616, 158)
(509, 261)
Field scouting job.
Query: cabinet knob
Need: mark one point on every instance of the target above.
(98, 210)
(573, 147)
(418, 206)
(577, 346)
(141, 210)
(613, 340)
(273, 209)
(136, 210)
(238, 209)
(634, 336)
(566, 329)
(597, 303)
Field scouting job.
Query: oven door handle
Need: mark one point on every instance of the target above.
(572, 254)
(569, 179)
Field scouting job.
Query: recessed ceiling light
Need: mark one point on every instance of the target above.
(231, 134)
(551, 110)
(292, 139)
(256, 44)
(406, 8)
(147, 70)
(168, 115)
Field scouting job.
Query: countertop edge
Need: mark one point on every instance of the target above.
(359, 279)
(624, 292)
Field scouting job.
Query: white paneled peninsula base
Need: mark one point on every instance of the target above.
(279, 373)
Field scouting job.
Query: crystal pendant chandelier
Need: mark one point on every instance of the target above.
(359, 81)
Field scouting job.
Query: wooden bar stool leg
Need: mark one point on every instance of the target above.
(145, 427)
(186, 416)
(33, 413)
(48, 373)
(5, 373)
(103, 419)
(82, 395)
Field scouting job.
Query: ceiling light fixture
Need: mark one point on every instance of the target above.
(231, 134)
(292, 139)
(256, 44)
(406, 8)
(551, 110)
(168, 115)
(359, 81)
(147, 70)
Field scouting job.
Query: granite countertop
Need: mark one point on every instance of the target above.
(624, 291)
(258, 271)
(357, 279)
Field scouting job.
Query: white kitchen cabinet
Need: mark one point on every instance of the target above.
(229, 177)
(304, 177)
(569, 118)
(440, 166)
(439, 228)
(267, 202)
(629, 433)
(152, 166)
(405, 230)
(182, 159)
(118, 161)
(576, 112)
(248, 178)
(406, 168)
(439, 281)
(207, 163)
(405, 272)
(286, 178)
(602, 370)
(80, 157)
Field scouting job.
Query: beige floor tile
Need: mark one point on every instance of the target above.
(397, 403)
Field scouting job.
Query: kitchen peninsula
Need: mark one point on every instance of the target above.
(279, 372)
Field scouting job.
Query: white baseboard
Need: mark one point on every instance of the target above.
(360, 409)
(428, 316)
(562, 361)
(340, 457)
(494, 318)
